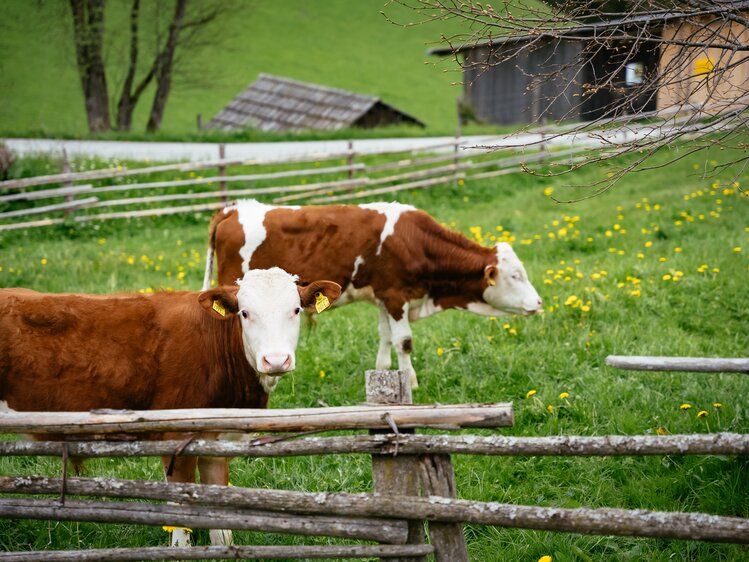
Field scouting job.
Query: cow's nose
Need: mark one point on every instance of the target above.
(275, 363)
(540, 302)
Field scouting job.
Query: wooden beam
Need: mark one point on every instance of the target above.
(67, 206)
(234, 552)
(602, 521)
(249, 419)
(206, 517)
(385, 444)
(686, 364)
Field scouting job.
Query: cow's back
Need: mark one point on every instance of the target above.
(75, 352)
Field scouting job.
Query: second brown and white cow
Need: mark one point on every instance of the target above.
(389, 254)
(222, 348)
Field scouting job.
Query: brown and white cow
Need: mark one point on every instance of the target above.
(390, 254)
(222, 348)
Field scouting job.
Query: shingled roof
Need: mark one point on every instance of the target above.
(274, 103)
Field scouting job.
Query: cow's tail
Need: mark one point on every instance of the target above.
(208, 275)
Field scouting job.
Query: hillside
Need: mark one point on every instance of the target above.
(338, 43)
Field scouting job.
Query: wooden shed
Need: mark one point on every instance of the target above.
(274, 103)
(503, 91)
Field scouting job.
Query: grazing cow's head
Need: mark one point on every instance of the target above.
(269, 303)
(507, 287)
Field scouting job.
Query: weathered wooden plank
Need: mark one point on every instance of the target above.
(207, 517)
(383, 190)
(249, 419)
(396, 475)
(602, 521)
(687, 364)
(385, 444)
(438, 479)
(307, 552)
(66, 206)
(47, 193)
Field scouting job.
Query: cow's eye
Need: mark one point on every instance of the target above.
(516, 276)
(245, 314)
(297, 310)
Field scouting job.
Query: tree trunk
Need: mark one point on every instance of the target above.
(88, 29)
(127, 102)
(164, 66)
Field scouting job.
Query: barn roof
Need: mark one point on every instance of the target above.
(275, 103)
(580, 31)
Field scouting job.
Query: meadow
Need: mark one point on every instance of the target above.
(337, 43)
(655, 266)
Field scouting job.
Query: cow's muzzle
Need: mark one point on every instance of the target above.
(276, 363)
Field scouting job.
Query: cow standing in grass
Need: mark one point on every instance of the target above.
(389, 254)
(222, 348)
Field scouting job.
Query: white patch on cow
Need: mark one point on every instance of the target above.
(392, 212)
(352, 294)
(422, 308)
(483, 309)
(357, 262)
(269, 306)
(512, 293)
(4, 408)
(251, 215)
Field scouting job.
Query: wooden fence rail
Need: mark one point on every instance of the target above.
(398, 444)
(686, 364)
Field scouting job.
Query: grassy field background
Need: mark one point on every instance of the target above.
(337, 43)
(657, 265)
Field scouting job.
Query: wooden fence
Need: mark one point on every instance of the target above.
(317, 178)
(413, 479)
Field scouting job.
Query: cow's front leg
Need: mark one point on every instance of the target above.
(182, 471)
(384, 357)
(402, 339)
(214, 470)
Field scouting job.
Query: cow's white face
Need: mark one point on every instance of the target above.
(269, 305)
(507, 286)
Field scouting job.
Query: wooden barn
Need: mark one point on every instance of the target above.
(502, 91)
(712, 79)
(274, 103)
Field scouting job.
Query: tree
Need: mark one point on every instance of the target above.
(89, 36)
(696, 85)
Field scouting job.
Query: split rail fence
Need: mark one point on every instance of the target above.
(413, 479)
(318, 178)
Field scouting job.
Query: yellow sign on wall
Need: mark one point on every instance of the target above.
(702, 66)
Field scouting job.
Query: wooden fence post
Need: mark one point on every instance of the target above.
(399, 474)
(222, 173)
(66, 170)
(350, 159)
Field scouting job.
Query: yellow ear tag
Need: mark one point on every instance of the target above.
(218, 308)
(321, 302)
(491, 281)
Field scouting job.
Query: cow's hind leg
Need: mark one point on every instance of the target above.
(402, 339)
(384, 357)
(215, 470)
(183, 470)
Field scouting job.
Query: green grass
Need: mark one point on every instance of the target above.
(602, 276)
(337, 43)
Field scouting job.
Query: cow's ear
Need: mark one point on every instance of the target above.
(491, 273)
(319, 295)
(221, 302)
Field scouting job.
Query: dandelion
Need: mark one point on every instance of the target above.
(131, 260)
(677, 250)
(530, 393)
(102, 241)
(440, 352)
(564, 395)
(545, 558)
(666, 277)
(702, 414)
(548, 191)
(512, 332)
(489, 338)
(717, 405)
(648, 244)
(661, 431)
(44, 261)
(550, 409)
(685, 406)
(737, 249)
(322, 374)
(662, 260)
(640, 256)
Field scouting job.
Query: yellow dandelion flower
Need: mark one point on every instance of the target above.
(737, 249)
(489, 338)
(512, 332)
(545, 558)
(717, 405)
(685, 406)
(677, 250)
(666, 277)
(322, 374)
(44, 261)
(702, 414)
(564, 395)
(440, 352)
(530, 393)
(662, 431)
(102, 241)
(648, 243)
(131, 260)
(550, 409)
